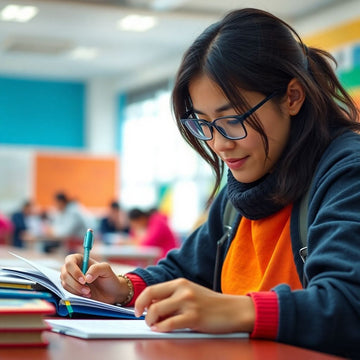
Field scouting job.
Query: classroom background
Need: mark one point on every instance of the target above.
(100, 130)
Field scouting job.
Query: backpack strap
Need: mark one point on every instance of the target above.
(229, 215)
(303, 225)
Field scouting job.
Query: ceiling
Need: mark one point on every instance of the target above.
(42, 47)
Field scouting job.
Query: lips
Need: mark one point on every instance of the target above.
(235, 163)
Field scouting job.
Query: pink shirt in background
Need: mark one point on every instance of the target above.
(159, 234)
(6, 229)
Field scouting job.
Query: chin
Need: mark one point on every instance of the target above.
(246, 178)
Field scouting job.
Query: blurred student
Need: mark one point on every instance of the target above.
(151, 228)
(68, 224)
(25, 224)
(114, 223)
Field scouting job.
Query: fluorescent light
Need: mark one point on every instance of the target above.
(18, 13)
(136, 23)
(162, 5)
(84, 53)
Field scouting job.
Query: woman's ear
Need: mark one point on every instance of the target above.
(295, 96)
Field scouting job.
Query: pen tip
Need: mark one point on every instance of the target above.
(90, 230)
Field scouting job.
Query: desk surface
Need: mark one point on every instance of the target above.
(66, 347)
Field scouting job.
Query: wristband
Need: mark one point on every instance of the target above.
(130, 288)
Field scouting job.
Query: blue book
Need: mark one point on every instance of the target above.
(24, 294)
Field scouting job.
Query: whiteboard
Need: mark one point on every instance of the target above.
(16, 178)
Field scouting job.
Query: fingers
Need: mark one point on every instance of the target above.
(169, 305)
(151, 294)
(97, 270)
(169, 314)
(72, 278)
(180, 321)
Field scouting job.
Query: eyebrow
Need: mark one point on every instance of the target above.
(218, 110)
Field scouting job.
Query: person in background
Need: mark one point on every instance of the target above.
(251, 96)
(115, 223)
(151, 228)
(23, 221)
(67, 225)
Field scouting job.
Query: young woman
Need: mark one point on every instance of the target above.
(250, 95)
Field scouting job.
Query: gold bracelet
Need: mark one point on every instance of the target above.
(130, 288)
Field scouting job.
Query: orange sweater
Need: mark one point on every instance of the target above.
(260, 256)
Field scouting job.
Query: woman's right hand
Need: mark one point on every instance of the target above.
(99, 283)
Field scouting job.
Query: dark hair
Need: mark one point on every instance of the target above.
(135, 214)
(253, 50)
(60, 196)
(115, 205)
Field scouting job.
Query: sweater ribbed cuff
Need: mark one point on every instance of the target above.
(266, 314)
(138, 284)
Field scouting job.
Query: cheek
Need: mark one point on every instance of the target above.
(253, 144)
(278, 138)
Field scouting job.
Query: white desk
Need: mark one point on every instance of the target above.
(136, 255)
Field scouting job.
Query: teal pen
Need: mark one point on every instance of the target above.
(88, 244)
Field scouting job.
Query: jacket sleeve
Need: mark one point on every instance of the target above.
(195, 259)
(326, 314)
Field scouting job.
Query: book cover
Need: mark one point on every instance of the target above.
(20, 314)
(29, 337)
(24, 294)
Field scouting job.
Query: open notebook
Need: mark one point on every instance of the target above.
(66, 303)
(124, 329)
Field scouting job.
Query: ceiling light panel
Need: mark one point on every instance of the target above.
(18, 13)
(138, 23)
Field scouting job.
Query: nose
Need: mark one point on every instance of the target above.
(220, 143)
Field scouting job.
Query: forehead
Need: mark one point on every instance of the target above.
(202, 87)
(208, 97)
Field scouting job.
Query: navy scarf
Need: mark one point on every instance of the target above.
(253, 200)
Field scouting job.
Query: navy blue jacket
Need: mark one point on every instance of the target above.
(325, 315)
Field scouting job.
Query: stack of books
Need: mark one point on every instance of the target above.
(22, 320)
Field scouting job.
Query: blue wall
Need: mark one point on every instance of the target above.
(44, 113)
(120, 118)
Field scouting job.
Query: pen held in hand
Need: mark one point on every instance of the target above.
(88, 244)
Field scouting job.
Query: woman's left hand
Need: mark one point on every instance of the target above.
(180, 303)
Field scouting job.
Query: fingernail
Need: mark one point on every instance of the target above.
(88, 278)
(85, 290)
(82, 281)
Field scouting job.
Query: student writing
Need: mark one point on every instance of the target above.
(249, 94)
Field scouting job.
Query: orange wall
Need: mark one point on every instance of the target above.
(93, 181)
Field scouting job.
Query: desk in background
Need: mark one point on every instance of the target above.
(65, 347)
(54, 261)
(136, 255)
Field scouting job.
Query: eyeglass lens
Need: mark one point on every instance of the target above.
(230, 127)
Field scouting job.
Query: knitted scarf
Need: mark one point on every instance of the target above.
(253, 200)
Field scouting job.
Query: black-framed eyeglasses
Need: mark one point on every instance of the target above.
(231, 127)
